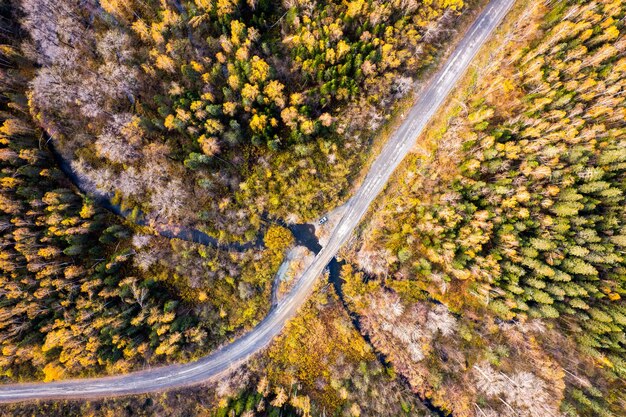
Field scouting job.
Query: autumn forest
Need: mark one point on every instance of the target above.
(173, 174)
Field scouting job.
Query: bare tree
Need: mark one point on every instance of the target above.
(168, 200)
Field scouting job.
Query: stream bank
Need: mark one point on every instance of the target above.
(305, 236)
(165, 230)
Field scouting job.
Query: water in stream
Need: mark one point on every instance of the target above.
(304, 235)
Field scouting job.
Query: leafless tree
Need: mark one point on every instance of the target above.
(169, 200)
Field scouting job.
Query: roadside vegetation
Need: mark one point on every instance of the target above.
(213, 113)
(320, 365)
(511, 214)
(84, 292)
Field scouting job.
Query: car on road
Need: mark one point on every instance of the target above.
(323, 220)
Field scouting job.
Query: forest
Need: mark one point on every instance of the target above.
(507, 229)
(488, 279)
(85, 292)
(217, 113)
(212, 115)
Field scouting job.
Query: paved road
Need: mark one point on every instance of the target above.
(217, 363)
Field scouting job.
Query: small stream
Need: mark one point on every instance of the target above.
(165, 230)
(305, 235)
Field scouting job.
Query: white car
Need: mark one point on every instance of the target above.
(323, 220)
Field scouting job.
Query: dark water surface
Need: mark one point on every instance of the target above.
(305, 235)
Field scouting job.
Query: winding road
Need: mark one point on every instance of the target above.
(232, 355)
